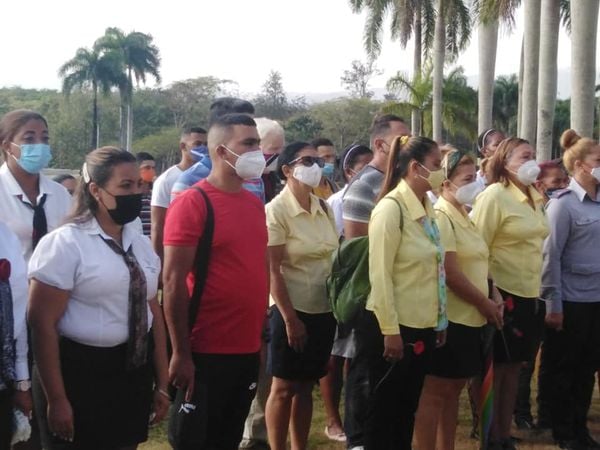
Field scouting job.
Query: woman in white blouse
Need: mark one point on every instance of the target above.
(14, 373)
(32, 204)
(97, 326)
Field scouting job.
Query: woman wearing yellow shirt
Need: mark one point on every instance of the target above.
(407, 304)
(509, 214)
(302, 238)
(469, 308)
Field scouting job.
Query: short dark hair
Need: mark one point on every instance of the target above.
(321, 142)
(381, 124)
(288, 154)
(228, 120)
(63, 177)
(229, 105)
(189, 130)
(351, 154)
(143, 156)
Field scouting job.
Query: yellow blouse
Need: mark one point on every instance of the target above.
(402, 264)
(459, 235)
(514, 233)
(309, 239)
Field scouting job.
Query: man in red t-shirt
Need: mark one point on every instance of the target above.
(215, 366)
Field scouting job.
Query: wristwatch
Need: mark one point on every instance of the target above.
(23, 385)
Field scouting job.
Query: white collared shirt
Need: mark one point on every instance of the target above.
(19, 217)
(75, 258)
(10, 249)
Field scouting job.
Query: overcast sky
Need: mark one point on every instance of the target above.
(311, 42)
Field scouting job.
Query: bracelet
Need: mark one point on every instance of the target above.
(163, 393)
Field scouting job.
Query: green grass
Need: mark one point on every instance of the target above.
(532, 440)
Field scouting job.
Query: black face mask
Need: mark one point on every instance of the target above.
(128, 208)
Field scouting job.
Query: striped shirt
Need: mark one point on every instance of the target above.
(361, 195)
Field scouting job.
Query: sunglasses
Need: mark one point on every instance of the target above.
(309, 161)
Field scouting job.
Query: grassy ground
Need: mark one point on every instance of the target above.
(318, 440)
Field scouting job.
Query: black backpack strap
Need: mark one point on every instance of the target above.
(202, 259)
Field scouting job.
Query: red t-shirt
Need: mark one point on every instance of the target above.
(234, 301)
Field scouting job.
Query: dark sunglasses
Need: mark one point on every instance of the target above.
(309, 161)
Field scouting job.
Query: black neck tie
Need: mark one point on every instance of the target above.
(137, 344)
(40, 225)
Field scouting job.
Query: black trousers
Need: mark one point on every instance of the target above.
(394, 389)
(571, 357)
(224, 388)
(356, 397)
(6, 418)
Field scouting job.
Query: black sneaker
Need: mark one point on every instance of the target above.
(524, 424)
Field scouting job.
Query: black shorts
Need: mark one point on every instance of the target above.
(111, 405)
(462, 356)
(520, 337)
(310, 364)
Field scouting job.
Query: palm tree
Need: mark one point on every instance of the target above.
(457, 109)
(410, 18)
(584, 23)
(452, 33)
(489, 15)
(140, 58)
(505, 105)
(90, 68)
(531, 45)
(549, 28)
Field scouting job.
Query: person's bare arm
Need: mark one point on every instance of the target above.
(355, 229)
(176, 299)
(47, 305)
(161, 363)
(158, 215)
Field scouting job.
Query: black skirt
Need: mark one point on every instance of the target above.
(310, 364)
(520, 337)
(111, 405)
(461, 356)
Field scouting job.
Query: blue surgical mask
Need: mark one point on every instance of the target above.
(34, 157)
(200, 154)
(328, 170)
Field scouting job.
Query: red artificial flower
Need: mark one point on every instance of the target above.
(4, 269)
(518, 333)
(510, 304)
(418, 347)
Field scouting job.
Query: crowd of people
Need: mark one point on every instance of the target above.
(203, 291)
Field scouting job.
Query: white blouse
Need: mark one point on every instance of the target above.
(10, 249)
(19, 217)
(76, 259)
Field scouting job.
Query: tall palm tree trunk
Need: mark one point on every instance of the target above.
(415, 122)
(520, 88)
(548, 73)
(584, 24)
(95, 115)
(488, 43)
(531, 39)
(123, 120)
(439, 53)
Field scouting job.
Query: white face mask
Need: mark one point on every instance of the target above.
(310, 176)
(249, 165)
(271, 163)
(465, 195)
(528, 172)
(596, 173)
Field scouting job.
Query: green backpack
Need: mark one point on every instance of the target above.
(348, 286)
